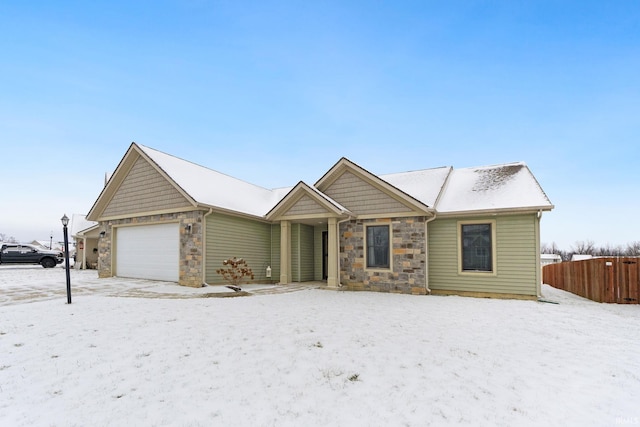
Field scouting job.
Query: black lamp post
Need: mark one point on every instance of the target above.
(65, 222)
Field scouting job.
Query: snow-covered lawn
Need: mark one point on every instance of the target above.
(308, 358)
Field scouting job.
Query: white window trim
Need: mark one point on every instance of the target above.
(494, 257)
(365, 247)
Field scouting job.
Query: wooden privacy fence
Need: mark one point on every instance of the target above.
(612, 279)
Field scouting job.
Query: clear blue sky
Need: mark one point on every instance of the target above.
(276, 92)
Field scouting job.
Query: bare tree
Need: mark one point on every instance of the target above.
(565, 255)
(545, 248)
(588, 247)
(609, 250)
(8, 239)
(585, 247)
(633, 249)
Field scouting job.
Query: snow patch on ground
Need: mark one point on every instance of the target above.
(313, 357)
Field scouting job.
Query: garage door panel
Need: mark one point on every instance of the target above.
(148, 252)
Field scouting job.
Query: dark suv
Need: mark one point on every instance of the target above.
(19, 253)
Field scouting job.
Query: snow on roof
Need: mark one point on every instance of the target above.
(580, 257)
(80, 223)
(506, 186)
(213, 188)
(42, 243)
(423, 185)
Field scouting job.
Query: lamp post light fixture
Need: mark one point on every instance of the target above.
(65, 222)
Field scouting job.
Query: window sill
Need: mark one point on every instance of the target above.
(477, 273)
(378, 269)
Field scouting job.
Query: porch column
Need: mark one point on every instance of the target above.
(83, 263)
(285, 252)
(333, 273)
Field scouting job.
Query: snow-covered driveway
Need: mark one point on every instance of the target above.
(308, 358)
(30, 283)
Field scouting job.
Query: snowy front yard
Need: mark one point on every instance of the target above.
(309, 358)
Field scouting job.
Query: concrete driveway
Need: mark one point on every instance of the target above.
(29, 283)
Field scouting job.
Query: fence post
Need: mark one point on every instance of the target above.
(610, 272)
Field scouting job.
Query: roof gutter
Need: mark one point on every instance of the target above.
(529, 209)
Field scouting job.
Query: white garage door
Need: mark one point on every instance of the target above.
(148, 252)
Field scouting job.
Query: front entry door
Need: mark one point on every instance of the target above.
(325, 253)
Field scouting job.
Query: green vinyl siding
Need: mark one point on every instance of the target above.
(317, 251)
(302, 253)
(306, 253)
(228, 236)
(515, 251)
(295, 259)
(275, 252)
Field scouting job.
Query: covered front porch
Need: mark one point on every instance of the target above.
(309, 251)
(309, 245)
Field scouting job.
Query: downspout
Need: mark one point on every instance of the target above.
(538, 262)
(204, 247)
(338, 248)
(426, 229)
(426, 242)
(298, 251)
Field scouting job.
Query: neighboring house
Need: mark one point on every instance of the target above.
(86, 235)
(48, 244)
(42, 244)
(473, 231)
(546, 259)
(580, 257)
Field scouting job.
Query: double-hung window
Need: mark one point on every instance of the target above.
(477, 246)
(378, 246)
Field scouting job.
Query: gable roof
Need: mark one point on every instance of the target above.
(397, 193)
(200, 185)
(80, 224)
(212, 188)
(503, 187)
(443, 190)
(424, 185)
(298, 191)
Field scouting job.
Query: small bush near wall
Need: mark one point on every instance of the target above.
(236, 271)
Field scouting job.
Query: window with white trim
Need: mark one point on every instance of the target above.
(378, 246)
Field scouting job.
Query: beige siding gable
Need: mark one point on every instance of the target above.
(306, 206)
(144, 189)
(362, 198)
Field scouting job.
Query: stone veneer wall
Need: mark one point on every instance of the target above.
(191, 244)
(408, 251)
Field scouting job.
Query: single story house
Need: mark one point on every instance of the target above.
(43, 244)
(86, 235)
(580, 257)
(472, 231)
(546, 259)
